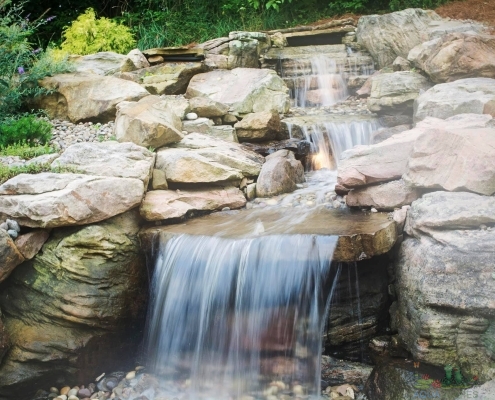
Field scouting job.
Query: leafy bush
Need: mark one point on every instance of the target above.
(28, 130)
(21, 66)
(88, 35)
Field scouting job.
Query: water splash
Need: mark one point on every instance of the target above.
(229, 316)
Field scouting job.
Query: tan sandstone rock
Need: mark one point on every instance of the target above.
(280, 174)
(258, 126)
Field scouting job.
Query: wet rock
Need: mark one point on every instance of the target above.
(444, 277)
(9, 254)
(31, 243)
(456, 56)
(471, 95)
(280, 174)
(86, 97)
(148, 122)
(244, 90)
(338, 372)
(383, 197)
(64, 283)
(51, 200)
(394, 93)
(120, 160)
(161, 205)
(258, 127)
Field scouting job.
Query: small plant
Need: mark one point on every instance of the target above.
(27, 130)
(88, 35)
(7, 172)
(26, 151)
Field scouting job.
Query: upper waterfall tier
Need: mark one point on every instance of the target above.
(361, 235)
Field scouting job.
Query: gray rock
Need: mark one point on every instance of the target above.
(148, 122)
(12, 233)
(401, 64)
(383, 134)
(280, 174)
(11, 258)
(49, 200)
(472, 95)
(244, 90)
(394, 93)
(13, 225)
(199, 125)
(102, 63)
(391, 35)
(138, 60)
(121, 160)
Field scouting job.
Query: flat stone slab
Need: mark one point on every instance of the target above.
(361, 235)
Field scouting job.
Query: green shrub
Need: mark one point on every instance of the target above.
(28, 130)
(7, 172)
(88, 35)
(26, 151)
(21, 66)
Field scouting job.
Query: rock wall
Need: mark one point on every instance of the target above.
(78, 309)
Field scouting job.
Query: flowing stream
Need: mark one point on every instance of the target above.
(242, 316)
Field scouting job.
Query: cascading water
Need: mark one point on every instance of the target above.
(229, 317)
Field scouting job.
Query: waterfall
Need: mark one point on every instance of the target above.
(329, 140)
(240, 317)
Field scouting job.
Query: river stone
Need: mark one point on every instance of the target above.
(454, 160)
(464, 96)
(456, 56)
(280, 174)
(49, 200)
(384, 197)
(382, 162)
(445, 282)
(102, 63)
(31, 243)
(244, 90)
(259, 126)
(204, 159)
(11, 257)
(147, 122)
(390, 35)
(86, 97)
(159, 205)
(206, 107)
(91, 280)
(121, 160)
(394, 93)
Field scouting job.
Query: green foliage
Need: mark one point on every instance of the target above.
(28, 130)
(21, 66)
(396, 5)
(7, 172)
(26, 151)
(89, 35)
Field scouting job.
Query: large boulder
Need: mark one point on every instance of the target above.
(381, 162)
(11, 257)
(260, 126)
(386, 196)
(121, 160)
(280, 174)
(454, 160)
(390, 35)
(148, 122)
(86, 97)
(394, 93)
(203, 159)
(159, 205)
(76, 309)
(102, 63)
(444, 282)
(50, 200)
(456, 56)
(244, 90)
(471, 95)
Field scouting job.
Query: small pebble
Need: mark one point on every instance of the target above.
(130, 375)
(54, 390)
(12, 233)
(191, 116)
(374, 210)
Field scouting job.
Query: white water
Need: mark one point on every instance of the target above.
(230, 316)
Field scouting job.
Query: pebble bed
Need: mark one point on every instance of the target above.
(66, 133)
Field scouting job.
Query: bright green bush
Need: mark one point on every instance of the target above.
(89, 35)
(28, 130)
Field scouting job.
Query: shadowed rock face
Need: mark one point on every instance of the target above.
(88, 287)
